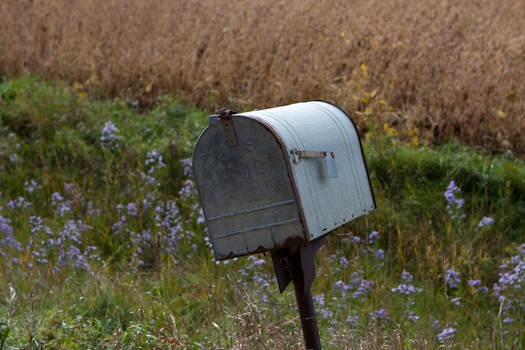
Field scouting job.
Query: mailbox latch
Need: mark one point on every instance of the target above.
(331, 169)
(224, 116)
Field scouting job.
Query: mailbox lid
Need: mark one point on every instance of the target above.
(326, 202)
(246, 190)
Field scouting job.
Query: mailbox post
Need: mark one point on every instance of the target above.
(280, 180)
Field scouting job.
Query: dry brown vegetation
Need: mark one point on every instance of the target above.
(433, 69)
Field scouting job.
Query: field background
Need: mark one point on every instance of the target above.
(435, 69)
(102, 240)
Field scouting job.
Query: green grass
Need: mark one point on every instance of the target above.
(112, 253)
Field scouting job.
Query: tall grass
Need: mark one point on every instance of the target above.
(430, 70)
(103, 244)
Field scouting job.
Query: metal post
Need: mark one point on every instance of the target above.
(297, 264)
(308, 319)
(305, 303)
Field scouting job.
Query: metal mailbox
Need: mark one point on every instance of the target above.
(279, 177)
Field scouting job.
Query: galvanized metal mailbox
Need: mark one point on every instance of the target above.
(280, 180)
(280, 177)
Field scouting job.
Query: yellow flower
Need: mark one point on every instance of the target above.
(511, 95)
(415, 141)
(364, 67)
(385, 127)
(501, 114)
(77, 86)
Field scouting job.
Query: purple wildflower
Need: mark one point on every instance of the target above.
(486, 222)
(187, 164)
(132, 209)
(379, 315)
(37, 223)
(374, 236)
(154, 161)
(357, 286)
(353, 320)
(446, 334)
(412, 317)
(482, 288)
(344, 262)
(339, 285)
(109, 137)
(407, 287)
(452, 278)
(456, 301)
(31, 186)
(13, 158)
(454, 204)
(20, 202)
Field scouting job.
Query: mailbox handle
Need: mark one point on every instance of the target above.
(331, 169)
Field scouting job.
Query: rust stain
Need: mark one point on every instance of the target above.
(289, 242)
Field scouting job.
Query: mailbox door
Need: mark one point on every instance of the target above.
(321, 126)
(243, 180)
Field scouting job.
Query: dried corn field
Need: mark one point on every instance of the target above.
(421, 70)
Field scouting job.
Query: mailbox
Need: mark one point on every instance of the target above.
(279, 177)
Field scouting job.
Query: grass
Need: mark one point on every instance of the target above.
(103, 244)
(436, 70)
